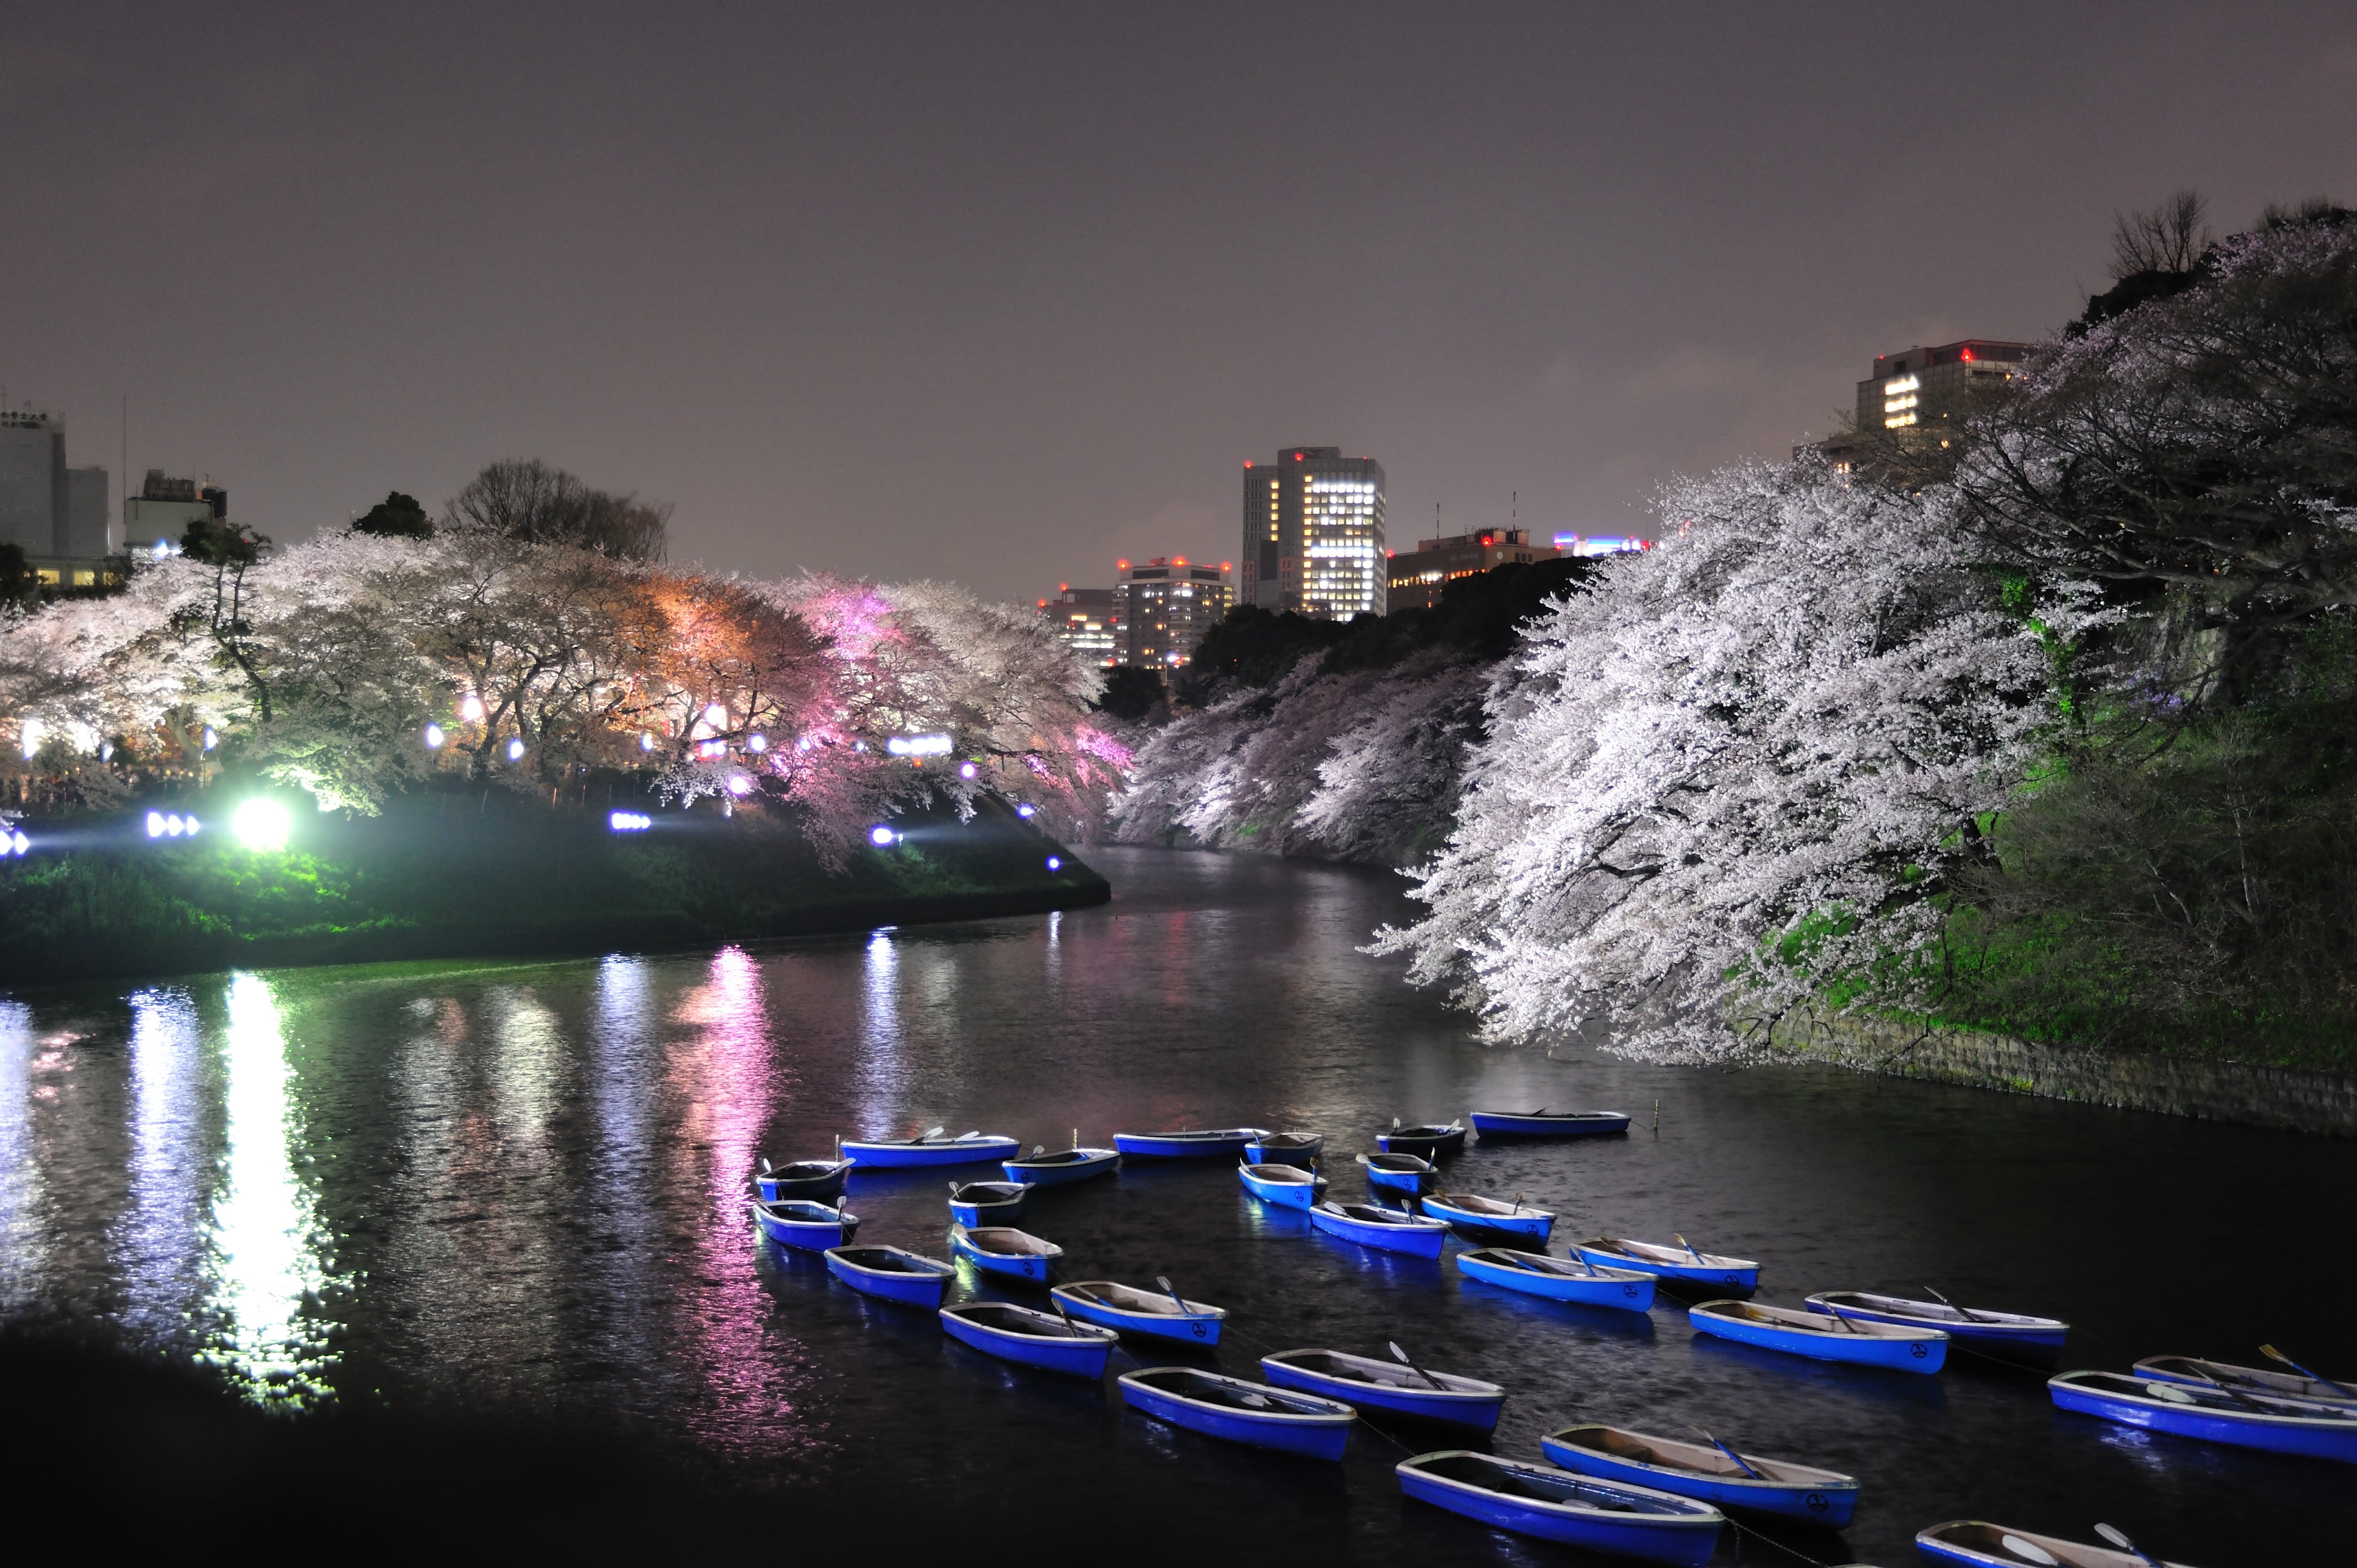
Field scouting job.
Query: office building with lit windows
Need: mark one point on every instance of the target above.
(1416, 581)
(1166, 607)
(1313, 535)
(1088, 623)
(1927, 386)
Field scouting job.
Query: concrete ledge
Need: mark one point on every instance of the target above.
(2287, 1097)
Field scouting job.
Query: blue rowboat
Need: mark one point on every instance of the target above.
(2000, 1333)
(1430, 1140)
(1821, 1336)
(1385, 1229)
(1229, 1140)
(1368, 1384)
(988, 1202)
(813, 1226)
(1155, 1314)
(1030, 1338)
(1987, 1545)
(1285, 1149)
(1680, 1265)
(802, 1179)
(1002, 1249)
(899, 1154)
(1471, 1214)
(2212, 1415)
(1288, 1185)
(1560, 1279)
(1240, 1411)
(1402, 1174)
(1540, 1500)
(2248, 1380)
(891, 1275)
(1702, 1471)
(1542, 1124)
(1041, 1169)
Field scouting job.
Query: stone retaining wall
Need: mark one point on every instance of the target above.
(2287, 1097)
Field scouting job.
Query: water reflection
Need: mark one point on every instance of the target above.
(879, 1037)
(20, 1173)
(159, 1239)
(266, 1270)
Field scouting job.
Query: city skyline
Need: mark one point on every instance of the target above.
(1006, 293)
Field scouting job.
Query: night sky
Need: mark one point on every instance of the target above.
(997, 293)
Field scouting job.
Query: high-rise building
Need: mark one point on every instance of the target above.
(1166, 608)
(1313, 538)
(1416, 581)
(1924, 386)
(1088, 622)
(55, 515)
(154, 519)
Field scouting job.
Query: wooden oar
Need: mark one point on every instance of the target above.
(1730, 1453)
(1067, 1317)
(1965, 1312)
(1164, 1281)
(2271, 1353)
(1076, 1137)
(2119, 1538)
(1688, 1246)
(1401, 1356)
(2198, 1364)
(1518, 1205)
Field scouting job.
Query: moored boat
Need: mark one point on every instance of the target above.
(891, 1275)
(1388, 1386)
(1471, 1213)
(1240, 1411)
(1706, 1472)
(802, 1179)
(1821, 1336)
(988, 1202)
(1544, 1123)
(2010, 1333)
(2313, 1429)
(1987, 1545)
(1560, 1279)
(1285, 1149)
(1040, 1168)
(1682, 1264)
(799, 1223)
(1159, 1315)
(1409, 1175)
(1002, 1250)
(2193, 1369)
(1187, 1145)
(1030, 1338)
(900, 1154)
(1289, 1186)
(1385, 1229)
(1540, 1500)
(1429, 1139)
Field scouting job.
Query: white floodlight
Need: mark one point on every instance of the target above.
(434, 738)
(1055, 863)
(881, 836)
(756, 743)
(515, 751)
(470, 708)
(261, 823)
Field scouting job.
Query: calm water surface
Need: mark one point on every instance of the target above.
(521, 1190)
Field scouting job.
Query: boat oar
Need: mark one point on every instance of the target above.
(765, 1165)
(1518, 1205)
(1965, 1312)
(1076, 1137)
(2237, 1395)
(1688, 1245)
(2271, 1353)
(2119, 1538)
(1740, 1462)
(929, 1133)
(1067, 1317)
(1164, 1281)
(1401, 1356)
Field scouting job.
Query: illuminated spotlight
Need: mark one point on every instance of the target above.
(630, 822)
(173, 826)
(716, 716)
(470, 708)
(966, 770)
(646, 742)
(261, 823)
(189, 826)
(918, 746)
(756, 743)
(515, 751)
(434, 738)
(18, 842)
(155, 824)
(1025, 810)
(881, 836)
(212, 739)
(1055, 863)
(740, 785)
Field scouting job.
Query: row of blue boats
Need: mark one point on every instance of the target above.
(1599, 1487)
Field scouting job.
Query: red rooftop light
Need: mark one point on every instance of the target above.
(1968, 353)
(1063, 587)
(1223, 565)
(1123, 564)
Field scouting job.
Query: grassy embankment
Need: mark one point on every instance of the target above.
(458, 875)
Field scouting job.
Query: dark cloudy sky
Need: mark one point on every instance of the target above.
(999, 292)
